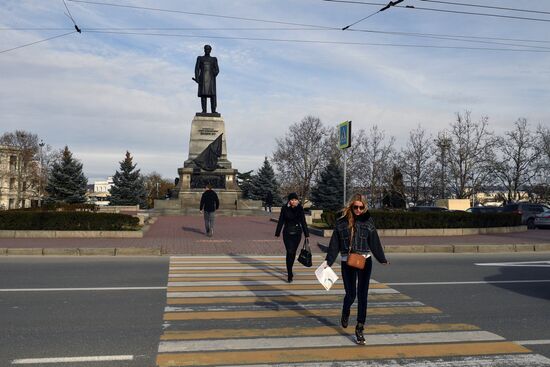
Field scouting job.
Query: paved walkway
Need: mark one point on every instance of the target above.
(249, 235)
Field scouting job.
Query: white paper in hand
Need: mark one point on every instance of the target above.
(326, 276)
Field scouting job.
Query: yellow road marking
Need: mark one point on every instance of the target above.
(267, 287)
(338, 354)
(297, 299)
(310, 331)
(222, 315)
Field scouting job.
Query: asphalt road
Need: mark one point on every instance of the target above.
(502, 298)
(75, 323)
(83, 319)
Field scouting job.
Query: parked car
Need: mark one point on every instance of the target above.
(484, 209)
(528, 212)
(542, 220)
(428, 209)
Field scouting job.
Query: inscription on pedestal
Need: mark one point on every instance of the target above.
(208, 131)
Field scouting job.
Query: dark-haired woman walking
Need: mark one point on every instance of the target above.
(293, 220)
(355, 233)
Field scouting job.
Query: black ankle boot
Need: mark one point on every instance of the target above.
(344, 319)
(289, 278)
(359, 334)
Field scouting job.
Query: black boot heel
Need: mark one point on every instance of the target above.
(359, 334)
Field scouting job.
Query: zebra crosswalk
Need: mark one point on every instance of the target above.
(239, 310)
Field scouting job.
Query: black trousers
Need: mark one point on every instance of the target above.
(356, 284)
(291, 241)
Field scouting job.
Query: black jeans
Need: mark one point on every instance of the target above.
(291, 241)
(356, 284)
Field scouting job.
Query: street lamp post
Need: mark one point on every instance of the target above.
(40, 173)
(443, 143)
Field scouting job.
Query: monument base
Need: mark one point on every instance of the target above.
(186, 197)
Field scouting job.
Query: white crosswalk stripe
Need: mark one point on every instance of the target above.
(237, 311)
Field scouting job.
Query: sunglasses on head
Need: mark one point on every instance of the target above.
(360, 207)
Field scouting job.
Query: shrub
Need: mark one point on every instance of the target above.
(398, 219)
(66, 221)
(402, 219)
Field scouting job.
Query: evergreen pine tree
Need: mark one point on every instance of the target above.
(329, 191)
(243, 180)
(265, 182)
(66, 182)
(128, 185)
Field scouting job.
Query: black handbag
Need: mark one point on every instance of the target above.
(305, 254)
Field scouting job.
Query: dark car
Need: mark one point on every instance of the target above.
(484, 209)
(542, 220)
(528, 212)
(428, 209)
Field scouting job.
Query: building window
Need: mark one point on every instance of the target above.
(11, 204)
(24, 186)
(12, 183)
(13, 163)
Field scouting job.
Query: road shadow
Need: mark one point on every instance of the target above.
(278, 302)
(535, 289)
(192, 229)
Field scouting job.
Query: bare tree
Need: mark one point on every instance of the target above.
(156, 187)
(469, 155)
(377, 154)
(542, 179)
(417, 164)
(518, 161)
(299, 155)
(25, 167)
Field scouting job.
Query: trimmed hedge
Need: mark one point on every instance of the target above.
(385, 219)
(67, 221)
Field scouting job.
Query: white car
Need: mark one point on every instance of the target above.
(542, 220)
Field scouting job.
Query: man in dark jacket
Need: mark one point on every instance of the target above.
(209, 205)
(268, 201)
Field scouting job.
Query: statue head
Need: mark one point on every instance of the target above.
(207, 49)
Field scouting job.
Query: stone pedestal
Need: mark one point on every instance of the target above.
(205, 128)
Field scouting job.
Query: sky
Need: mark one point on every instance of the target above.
(105, 91)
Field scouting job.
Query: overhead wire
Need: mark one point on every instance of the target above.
(396, 33)
(442, 10)
(34, 43)
(387, 6)
(70, 16)
(474, 39)
(197, 13)
(487, 6)
(530, 49)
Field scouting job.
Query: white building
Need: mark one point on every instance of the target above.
(17, 183)
(101, 194)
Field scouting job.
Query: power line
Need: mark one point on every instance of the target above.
(196, 13)
(70, 16)
(387, 6)
(396, 33)
(326, 42)
(443, 10)
(34, 43)
(488, 7)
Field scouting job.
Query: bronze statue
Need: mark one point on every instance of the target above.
(206, 70)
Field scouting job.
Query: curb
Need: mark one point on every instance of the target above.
(157, 251)
(467, 248)
(100, 251)
(428, 232)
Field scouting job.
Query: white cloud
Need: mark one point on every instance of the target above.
(103, 94)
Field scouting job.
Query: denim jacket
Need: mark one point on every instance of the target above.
(368, 239)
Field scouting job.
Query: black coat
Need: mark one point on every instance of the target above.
(209, 201)
(292, 218)
(368, 239)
